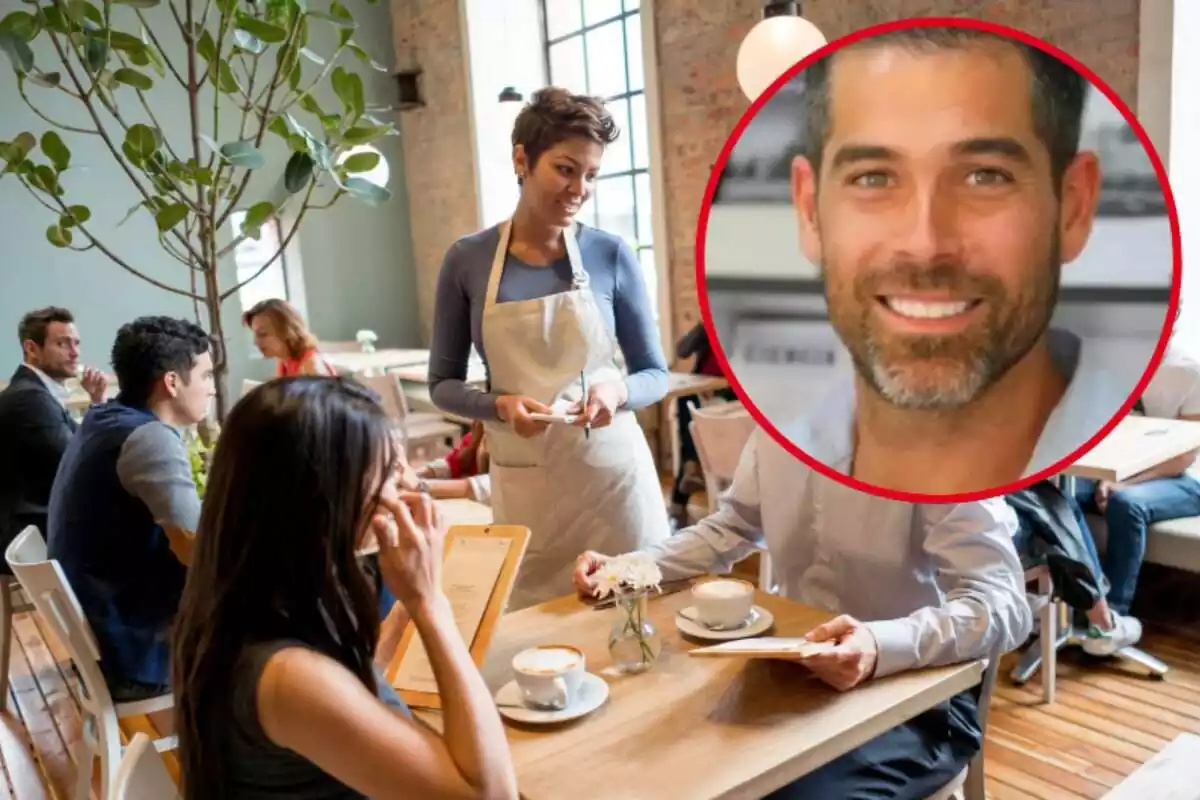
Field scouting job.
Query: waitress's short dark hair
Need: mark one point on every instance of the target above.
(554, 115)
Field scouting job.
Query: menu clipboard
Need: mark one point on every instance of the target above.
(765, 647)
(479, 569)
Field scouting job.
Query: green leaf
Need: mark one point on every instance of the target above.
(226, 81)
(309, 104)
(47, 79)
(77, 215)
(272, 34)
(336, 9)
(138, 3)
(361, 162)
(242, 153)
(44, 178)
(139, 57)
(370, 193)
(364, 134)
(366, 59)
(298, 172)
(249, 42)
(344, 37)
(142, 140)
(156, 60)
(17, 51)
(294, 78)
(131, 77)
(170, 216)
(58, 235)
(206, 47)
(16, 151)
(279, 127)
(297, 143)
(54, 19)
(125, 42)
(58, 153)
(328, 17)
(21, 24)
(97, 54)
(256, 215)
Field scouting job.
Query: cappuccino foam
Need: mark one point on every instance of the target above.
(547, 660)
(722, 589)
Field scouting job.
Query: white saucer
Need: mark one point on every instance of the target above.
(761, 624)
(593, 691)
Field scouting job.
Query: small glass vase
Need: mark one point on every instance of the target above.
(634, 642)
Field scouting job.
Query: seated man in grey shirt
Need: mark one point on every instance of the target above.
(915, 585)
(124, 480)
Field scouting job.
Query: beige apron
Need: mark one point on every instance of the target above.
(574, 493)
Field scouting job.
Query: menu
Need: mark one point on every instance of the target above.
(766, 647)
(469, 575)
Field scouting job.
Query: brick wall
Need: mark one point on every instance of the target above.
(439, 153)
(701, 100)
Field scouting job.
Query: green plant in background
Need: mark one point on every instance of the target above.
(200, 456)
(246, 70)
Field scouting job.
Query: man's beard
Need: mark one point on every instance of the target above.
(936, 371)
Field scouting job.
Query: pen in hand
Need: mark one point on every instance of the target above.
(587, 426)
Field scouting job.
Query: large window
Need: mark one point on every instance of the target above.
(595, 47)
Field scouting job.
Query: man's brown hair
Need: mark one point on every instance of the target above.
(554, 115)
(33, 326)
(287, 322)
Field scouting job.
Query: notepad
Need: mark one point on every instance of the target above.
(766, 647)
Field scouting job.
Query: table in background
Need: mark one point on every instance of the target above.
(1136, 445)
(378, 361)
(695, 727)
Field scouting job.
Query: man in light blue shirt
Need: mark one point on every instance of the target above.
(916, 585)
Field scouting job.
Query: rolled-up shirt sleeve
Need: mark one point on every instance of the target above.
(153, 466)
(720, 540)
(985, 610)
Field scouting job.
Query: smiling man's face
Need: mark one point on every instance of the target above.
(934, 218)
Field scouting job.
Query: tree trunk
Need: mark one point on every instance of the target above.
(216, 330)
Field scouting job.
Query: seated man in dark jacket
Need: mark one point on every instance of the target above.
(1053, 531)
(125, 478)
(35, 426)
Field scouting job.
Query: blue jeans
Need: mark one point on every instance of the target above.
(1130, 513)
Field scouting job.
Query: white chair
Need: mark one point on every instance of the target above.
(56, 604)
(421, 432)
(971, 782)
(12, 601)
(249, 386)
(142, 774)
(721, 432)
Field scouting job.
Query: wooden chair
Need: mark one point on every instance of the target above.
(425, 434)
(12, 601)
(721, 432)
(56, 604)
(141, 774)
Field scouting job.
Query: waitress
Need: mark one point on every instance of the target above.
(547, 302)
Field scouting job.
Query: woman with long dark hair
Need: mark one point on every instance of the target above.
(277, 694)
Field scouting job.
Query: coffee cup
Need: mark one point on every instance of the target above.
(549, 676)
(723, 603)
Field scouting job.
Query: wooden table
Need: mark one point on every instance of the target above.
(419, 373)
(694, 728)
(1136, 445)
(379, 361)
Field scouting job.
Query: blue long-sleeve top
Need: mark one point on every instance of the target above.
(615, 279)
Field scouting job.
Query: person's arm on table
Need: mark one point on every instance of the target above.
(714, 544)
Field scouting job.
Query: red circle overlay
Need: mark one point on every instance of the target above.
(719, 167)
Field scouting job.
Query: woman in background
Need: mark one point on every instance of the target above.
(547, 303)
(277, 693)
(280, 333)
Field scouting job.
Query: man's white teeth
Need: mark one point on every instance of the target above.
(919, 309)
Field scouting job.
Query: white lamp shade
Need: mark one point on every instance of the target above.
(771, 48)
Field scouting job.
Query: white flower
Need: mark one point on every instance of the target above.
(364, 337)
(634, 571)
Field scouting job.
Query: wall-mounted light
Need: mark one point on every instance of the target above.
(509, 94)
(781, 39)
(408, 87)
